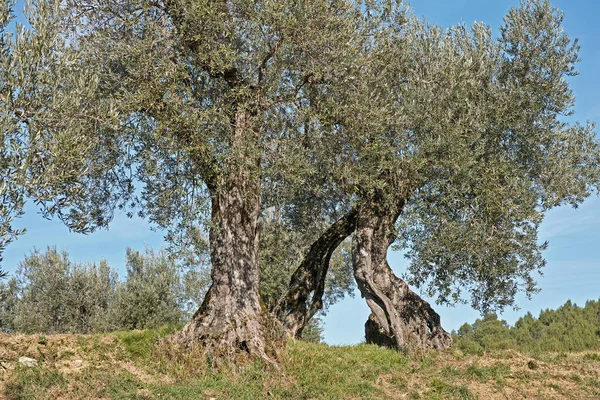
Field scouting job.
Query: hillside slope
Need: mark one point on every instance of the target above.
(134, 365)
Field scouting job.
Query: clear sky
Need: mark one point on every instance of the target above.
(572, 271)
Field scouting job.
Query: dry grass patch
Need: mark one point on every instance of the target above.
(141, 365)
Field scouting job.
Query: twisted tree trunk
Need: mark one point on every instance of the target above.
(230, 318)
(399, 318)
(305, 292)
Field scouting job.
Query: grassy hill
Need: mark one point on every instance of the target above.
(135, 365)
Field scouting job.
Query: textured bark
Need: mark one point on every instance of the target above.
(400, 318)
(305, 292)
(230, 318)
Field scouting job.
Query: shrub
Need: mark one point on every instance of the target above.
(57, 295)
(8, 303)
(151, 295)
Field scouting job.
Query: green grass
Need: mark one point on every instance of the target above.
(308, 371)
(442, 390)
(138, 344)
(482, 374)
(138, 365)
(576, 378)
(592, 357)
(331, 372)
(35, 383)
(593, 382)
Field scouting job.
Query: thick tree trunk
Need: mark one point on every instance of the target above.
(400, 318)
(230, 318)
(305, 292)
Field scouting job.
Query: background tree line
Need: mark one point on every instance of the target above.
(51, 293)
(568, 328)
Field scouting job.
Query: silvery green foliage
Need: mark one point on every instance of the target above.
(56, 295)
(313, 331)
(503, 156)
(92, 294)
(192, 256)
(350, 98)
(195, 281)
(144, 92)
(9, 297)
(282, 248)
(471, 131)
(151, 294)
(11, 192)
(53, 294)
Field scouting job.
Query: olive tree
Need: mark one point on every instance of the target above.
(53, 294)
(151, 294)
(187, 98)
(202, 115)
(455, 145)
(11, 193)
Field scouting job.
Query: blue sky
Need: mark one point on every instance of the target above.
(572, 271)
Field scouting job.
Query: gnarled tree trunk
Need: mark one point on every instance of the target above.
(231, 318)
(400, 318)
(304, 296)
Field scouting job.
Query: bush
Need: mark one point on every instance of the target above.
(152, 294)
(53, 294)
(8, 304)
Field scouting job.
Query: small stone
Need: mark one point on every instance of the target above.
(78, 363)
(28, 362)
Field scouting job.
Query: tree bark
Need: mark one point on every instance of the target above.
(230, 318)
(400, 318)
(304, 297)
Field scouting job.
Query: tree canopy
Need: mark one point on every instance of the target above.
(330, 118)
